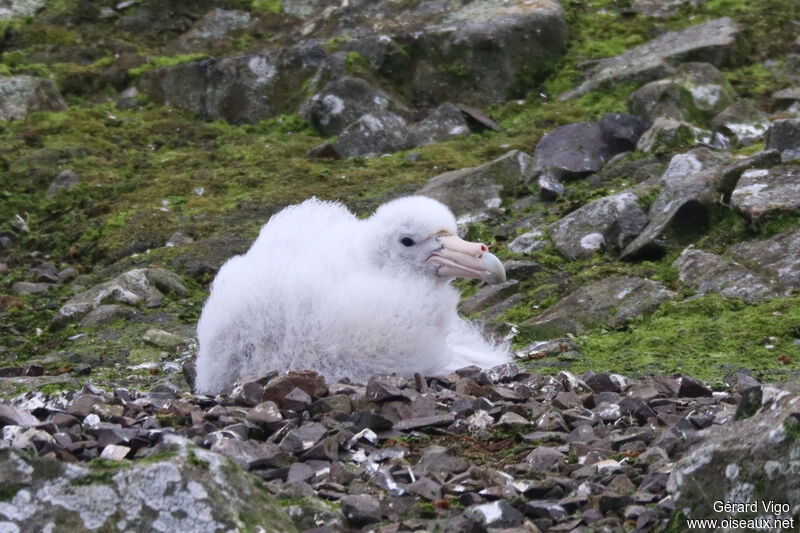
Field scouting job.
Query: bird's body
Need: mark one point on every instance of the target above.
(322, 290)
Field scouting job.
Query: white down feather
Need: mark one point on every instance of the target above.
(322, 290)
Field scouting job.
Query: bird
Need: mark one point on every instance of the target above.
(321, 289)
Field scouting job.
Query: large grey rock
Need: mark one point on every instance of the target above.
(476, 53)
(777, 257)
(610, 302)
(613, 221)
(374, 134)
(573, 150)
(784, 136)
(713, 274)
(761, 192)
(712, 42)
(12, 9)
(688, 187)
(488, 296)
(696, 92)
(188, 489)
(212, 33)
(752, 461)
(146, 285)
(444, 122)
(243, 88)
(469, 192)
(21, 95)
(343, 101)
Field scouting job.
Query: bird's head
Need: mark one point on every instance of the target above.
(418, 234)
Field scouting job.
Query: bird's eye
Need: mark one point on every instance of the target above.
(407, 241)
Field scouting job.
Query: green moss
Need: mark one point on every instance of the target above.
(702, 337)
(273, 6)
(356, 63)
(52, 389)
(8, 491)
(165, 61)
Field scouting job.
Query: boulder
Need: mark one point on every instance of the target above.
(669, 135)
(712, 42)
(777, 257)
(712, 274)
(688, 188)
(146, 285)
(470, 192)
(613, 221)
(749, 463)
(374, 134)
(243, 88)
(344, 101)
(573, 150)
(695, 93)
(621, 132)
(784, 136)
(610, 302)
(21, 95)
(186, 488)
(762, 192)
(212, 33)
(443, 123)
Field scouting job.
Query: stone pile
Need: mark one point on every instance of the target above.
(471, 451)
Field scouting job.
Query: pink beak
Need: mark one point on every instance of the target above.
(463, 259)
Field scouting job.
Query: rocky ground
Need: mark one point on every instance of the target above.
(634, 163)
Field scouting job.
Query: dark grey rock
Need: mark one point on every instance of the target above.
(303, 438)
(361, 509)
(473, 191)
(692, 388)
(621, 132)
(688, 186)
(613, 221)
(784, 136)
(762, 192)
(444, 122)
(546, 459)
(573, 150)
